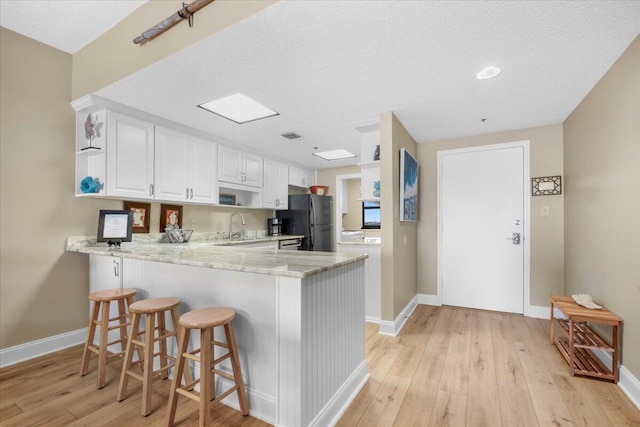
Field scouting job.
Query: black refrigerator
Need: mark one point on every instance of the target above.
(310, 215)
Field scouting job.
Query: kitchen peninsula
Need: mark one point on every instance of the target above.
(299, 323)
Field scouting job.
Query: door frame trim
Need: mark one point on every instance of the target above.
(337, 206)
(527, 214)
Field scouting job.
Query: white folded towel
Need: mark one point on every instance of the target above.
(585, 300)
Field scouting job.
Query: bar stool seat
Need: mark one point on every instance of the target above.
(100, 318)
(155, 310)
(206, 319)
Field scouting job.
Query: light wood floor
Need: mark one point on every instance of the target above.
(448, 367)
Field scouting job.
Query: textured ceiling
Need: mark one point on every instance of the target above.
(67, 25)
(325, 65)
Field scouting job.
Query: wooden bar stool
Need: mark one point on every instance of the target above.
(155, 310)
(206, 319)
(102, 304)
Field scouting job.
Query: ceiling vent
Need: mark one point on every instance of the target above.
(291, 135)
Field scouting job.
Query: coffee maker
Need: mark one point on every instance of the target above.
(274, 226)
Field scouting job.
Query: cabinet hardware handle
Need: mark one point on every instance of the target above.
(187, 193)
(191, 191)
(151, 189)
(115, 268)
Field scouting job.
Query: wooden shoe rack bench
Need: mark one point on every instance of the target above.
(578, 340)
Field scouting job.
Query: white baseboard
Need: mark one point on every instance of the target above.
(371, 319)
(31, 350)
(629, 384)
(393, 328)
(339, 403)
(261, 406)
(537, 312)
(428, 299)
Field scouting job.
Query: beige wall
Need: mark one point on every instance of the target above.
(352, 220)
(602, 202)
(113, 55)
(399, 259)
(43, 289)
(547, 241)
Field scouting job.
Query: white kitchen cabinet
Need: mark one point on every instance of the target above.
(203, 171)
(130, 145)
(238, 167)
(301, 178)
(185, 168)
(105, 272)
(275, 190)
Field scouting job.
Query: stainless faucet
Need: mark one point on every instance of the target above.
(242, 233)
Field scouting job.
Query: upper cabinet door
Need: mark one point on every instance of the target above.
(275, 189)
(230, 165)
(282, 187)
(129, 157)
(203, 185)
(301, 178)
(172, 165)
(239, 167)
(252, 170)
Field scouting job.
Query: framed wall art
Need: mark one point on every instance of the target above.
(141, 215)
(408, 187)
(546, 186)
(170, 214)
(227, 199)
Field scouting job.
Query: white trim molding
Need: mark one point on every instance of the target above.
(333, 410)
(371, 319)
(393, 328)
(627, 382)
(427, 299)
(31, 350)
(537, 311)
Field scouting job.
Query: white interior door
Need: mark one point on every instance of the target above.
(482, 206)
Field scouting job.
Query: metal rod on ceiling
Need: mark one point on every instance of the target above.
(186, 12)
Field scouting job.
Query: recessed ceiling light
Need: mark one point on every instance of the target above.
(335, 154)
(488, 73)
(238, 108)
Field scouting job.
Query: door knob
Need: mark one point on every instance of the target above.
(515, 238)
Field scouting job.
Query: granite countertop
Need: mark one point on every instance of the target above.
(222, 254)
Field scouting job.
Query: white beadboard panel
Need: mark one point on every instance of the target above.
(373, 278)
(338, 405)
(251, 296)
(300, 341)
(289, 331)
(332, 345)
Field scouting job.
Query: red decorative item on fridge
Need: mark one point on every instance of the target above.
(320, 190)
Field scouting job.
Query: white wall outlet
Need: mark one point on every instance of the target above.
(194, 222)
(544, 211)
(154, 222)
